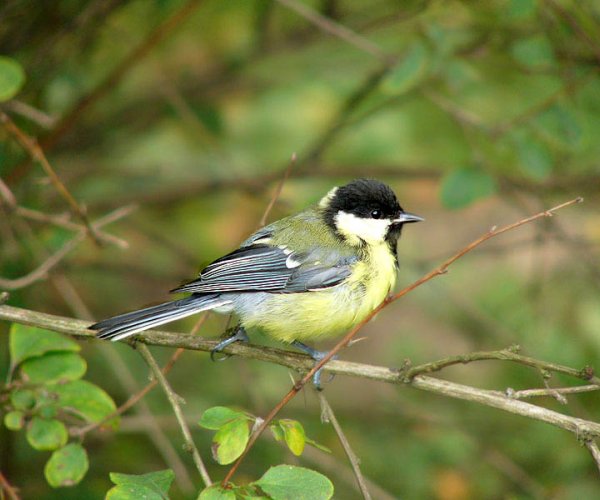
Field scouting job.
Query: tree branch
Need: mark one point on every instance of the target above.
(327, 415)
(174, 400)
(301, 363)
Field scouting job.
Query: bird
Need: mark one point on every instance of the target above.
(304, 278)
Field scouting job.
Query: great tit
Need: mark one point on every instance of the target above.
(303, 278)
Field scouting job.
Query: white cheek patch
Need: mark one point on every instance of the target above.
(369, 230)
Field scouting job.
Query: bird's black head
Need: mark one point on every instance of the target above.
(365, 211)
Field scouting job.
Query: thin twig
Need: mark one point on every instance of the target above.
(592, 446)
(174, 400)
(35, 115)
(6, 486)
(510, 354)
(65, 223)
(329, 416)
(37, 154)
(41, 272)
(277, 193)
(552, 392)
(442, 269)
(7, 196)
(336, 29)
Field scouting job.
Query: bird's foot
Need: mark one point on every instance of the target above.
(317, 356)
(238, 335)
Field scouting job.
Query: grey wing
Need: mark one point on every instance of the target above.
(267, 268)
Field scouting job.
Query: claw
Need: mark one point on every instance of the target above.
(239, 335)
(317, 356)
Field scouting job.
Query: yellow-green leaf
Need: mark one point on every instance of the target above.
(22, 399)
(29, 342)
(14, 420)
(66, 466)
(46, 434)
(85, 400)
(133, 486)
(294, 435)
(12, 78)
(54, 367)
(217, 416)
(285, 482)
(230, 440)
(216, 492)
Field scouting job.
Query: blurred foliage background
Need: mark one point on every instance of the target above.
(477, 113)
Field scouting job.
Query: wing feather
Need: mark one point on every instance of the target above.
(267, 268)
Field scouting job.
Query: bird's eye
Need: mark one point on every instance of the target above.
(376, 214)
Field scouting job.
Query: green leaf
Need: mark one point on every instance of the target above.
(287, 482)
(230, 440)
(66, 466)
(520, 9)
(151, 485)
(277, 431)
(86, 400)
(534, 52)
(295, 436)
(22, 399)
(131, 491)
(14, 420)
(54, 367)
(12, 78)
(463, 186)
(44, 434)
(216, 417)
(409, 71)
(29, 342)
(535, 159)
(216, 492)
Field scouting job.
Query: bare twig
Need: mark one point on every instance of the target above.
(33, 114)
(442, 269)
(552, 392)
(11, 492)
(336, 29)
(41, 272)
(277, 193)
(510, 354)
(592, 446)
(7, 196)
(61, 221)
(37, 154)
(174, 400)
(329, 416)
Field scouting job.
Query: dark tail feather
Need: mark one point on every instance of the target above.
(127, 324)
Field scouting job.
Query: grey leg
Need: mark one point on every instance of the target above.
(239, 335)
(317, 356)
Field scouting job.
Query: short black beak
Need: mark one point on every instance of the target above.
(406, 217)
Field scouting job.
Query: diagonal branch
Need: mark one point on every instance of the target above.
(174, 400)
(329, 416)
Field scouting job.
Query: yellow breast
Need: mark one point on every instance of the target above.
(332, 311)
